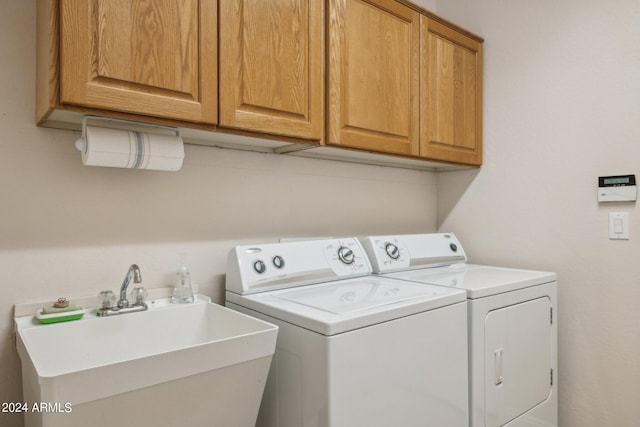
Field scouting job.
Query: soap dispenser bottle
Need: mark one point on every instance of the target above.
(182, 292)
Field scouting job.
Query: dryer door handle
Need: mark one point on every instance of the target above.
(497, 364)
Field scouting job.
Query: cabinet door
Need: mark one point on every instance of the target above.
(451, 95)
(374, 60)
(271, 66)
(154, 58)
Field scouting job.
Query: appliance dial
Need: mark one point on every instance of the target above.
(453, 247)
(259, 266)
(346, 255)
(278, 261)
(392, 250)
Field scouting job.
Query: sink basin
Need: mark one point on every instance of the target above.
(201, 345)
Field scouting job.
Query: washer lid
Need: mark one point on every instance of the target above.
(340, 306)
(478, 280)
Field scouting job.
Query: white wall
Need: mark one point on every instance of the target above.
(71, 230)
(561, 107)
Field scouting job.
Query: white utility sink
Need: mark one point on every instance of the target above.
(170, 365)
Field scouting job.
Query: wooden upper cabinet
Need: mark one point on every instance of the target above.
(155, 58)
(271, 66)
(451, 95)
(374, 60)
(383, 76)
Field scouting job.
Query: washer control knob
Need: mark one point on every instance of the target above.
(346, 255)
(259, 266)
(392, 250)
(453, 247)
(278, 261)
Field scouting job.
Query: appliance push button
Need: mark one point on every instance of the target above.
(259, 266)
(278, 261)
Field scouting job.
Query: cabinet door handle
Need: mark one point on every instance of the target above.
(497, 363)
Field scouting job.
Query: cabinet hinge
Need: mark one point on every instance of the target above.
(552, 377)
(551, 315)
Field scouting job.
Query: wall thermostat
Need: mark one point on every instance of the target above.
(619, 188)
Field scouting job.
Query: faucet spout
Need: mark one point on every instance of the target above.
(133, 272)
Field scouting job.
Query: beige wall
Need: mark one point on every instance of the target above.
(562, 107)
(562, 91)
(67, 229)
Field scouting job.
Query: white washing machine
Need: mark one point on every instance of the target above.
(353, 350)
(512, 326)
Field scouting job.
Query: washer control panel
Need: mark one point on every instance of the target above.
(258, 268)
(410, 251)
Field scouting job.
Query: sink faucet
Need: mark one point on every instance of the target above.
(134, 271)
(124, 306)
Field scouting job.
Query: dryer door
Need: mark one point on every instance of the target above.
(518, 352)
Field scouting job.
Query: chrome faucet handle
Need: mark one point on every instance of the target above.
(132, 273)
(139, 294)
(107, 299)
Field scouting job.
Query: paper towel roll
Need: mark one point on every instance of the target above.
(131, 149)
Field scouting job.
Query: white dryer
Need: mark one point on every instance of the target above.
(353, 350)
(512, 325)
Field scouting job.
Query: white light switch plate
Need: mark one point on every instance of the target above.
(619, 225)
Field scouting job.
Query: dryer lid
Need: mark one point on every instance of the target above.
(478, 280)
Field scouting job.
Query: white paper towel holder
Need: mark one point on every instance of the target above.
(81, 143)
(129, 145)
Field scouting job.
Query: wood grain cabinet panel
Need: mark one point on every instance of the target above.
(271, 66)
(451, 95)
(399, 80)
(374, 49)
(155, 58)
